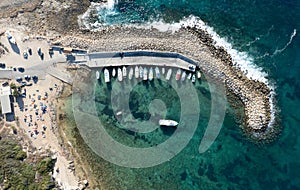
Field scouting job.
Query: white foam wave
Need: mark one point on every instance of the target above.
(84, 19)
(277, 51)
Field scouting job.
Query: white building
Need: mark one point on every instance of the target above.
(5, 93)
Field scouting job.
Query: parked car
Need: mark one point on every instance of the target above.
(23, 83)
(192, 67)
(29, 51)
(21, 69)
(39, 51)
(27, 77)
(2, 65)
(19, 79)
(25, 54)
(5, 84)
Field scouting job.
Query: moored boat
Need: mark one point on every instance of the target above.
(169, 73)
(141, 72)
(151, 74)
(97, 75)
(106, 76)
(183, 76)
(130, 74)
(193, 78)
(145, 74)
(198, 74)
(189, 76)
(168, 123)
(163, 70)
(136, 72)
(114, 72)
(178, 73)
(124, 72)
(157, 73)
(120, 76)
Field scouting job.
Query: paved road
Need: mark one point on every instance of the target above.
(40, 69)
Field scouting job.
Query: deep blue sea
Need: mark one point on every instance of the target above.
(268, 31)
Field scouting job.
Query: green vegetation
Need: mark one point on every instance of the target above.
(16, 173)
(15, 90)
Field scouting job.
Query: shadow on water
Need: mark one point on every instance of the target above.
(15, 48)
(168, 130)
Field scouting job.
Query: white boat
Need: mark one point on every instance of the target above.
(141, 72)
(193, 78)
(145, 74)
(198, 74)
(124, 72)
(136, 72)
(130, 74)
(106, 75)
(183, 76)
(97, 75)
(163, 70)
(178, 73)
(114, 72)
(169, 73)
(189, 76)
(10, 38)
(120, 76)
(151, 74)
(168, 123)
(157, 73)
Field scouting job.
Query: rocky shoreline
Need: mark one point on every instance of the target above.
(199, 46)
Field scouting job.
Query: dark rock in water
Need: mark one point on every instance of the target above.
(210, 173)
(183, 176)
(200, 171)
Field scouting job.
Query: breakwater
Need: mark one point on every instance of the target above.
(197, 45)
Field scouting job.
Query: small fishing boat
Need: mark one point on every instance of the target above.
(130, 74)
(198, 74)
(193, 78)
(114, 72)
(141, 72)
(145, 74)
(124, 72)
(97, 75)
(178, 73)
(183, 76)
(120, 76)
(106, 76)
(157, 73)
(168, 123)
(136, 72)
(151, 74)
(189, 76)
(163, 70)
(169, 73)
(10, 38)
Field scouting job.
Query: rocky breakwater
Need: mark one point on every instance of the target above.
(199, 46)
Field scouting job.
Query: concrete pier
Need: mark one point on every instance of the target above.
(132, 58)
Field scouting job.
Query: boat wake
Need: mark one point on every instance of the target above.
(278, 51)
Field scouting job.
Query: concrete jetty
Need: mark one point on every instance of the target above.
(132, 58)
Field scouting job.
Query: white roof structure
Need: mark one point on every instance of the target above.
(5, 92)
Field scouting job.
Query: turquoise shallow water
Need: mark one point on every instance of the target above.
(264, 29)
